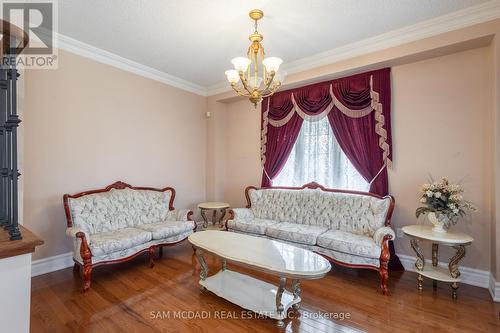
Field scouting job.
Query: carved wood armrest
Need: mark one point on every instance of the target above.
(382, 237)
(73, 231)
(85, 252)
(385, 254)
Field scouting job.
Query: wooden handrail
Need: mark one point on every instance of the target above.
(9, 30)
(9, 248)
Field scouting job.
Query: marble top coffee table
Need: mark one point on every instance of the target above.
(262, 254)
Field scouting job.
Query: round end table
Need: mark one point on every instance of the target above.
(457, 240)
(215, 207)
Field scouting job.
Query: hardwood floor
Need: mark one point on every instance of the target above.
(132, 297)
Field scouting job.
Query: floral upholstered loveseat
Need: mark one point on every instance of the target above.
(349, 228)
(119, 222)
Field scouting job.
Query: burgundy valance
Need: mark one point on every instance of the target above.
(358, 109)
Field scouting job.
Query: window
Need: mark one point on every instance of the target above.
(317, 157)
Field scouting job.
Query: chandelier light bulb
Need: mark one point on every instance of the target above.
(240, 63)
(272, 64)
(232, 75)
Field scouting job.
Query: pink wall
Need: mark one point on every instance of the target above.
(243, 166)
(441, 122)
(88, 124)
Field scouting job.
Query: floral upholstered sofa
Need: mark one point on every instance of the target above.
(119, 222)
(349, 228)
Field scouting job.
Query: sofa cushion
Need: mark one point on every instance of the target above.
(251, 225)
(167, 229)
(133, 250)
(347, 242)
(297, 233)
(113, 241)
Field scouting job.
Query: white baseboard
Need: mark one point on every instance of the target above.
(494, 288)
(472, 276)
(51, 264)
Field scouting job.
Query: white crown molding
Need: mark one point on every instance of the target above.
(218, 88)
(85, 50)
(456, 20)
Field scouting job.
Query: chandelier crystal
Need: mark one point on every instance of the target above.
(255, 76)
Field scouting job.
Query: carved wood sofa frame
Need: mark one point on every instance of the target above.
(385, 254)
(85, 252)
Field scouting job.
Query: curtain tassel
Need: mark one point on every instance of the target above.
(378, 173)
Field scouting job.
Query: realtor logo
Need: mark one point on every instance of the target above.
(38, 20)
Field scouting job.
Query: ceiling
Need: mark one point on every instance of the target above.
(195, 39)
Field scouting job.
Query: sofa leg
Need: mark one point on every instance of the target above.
(87, 272)
(384, 276)
(152, 256)
(384, 264)
(160, 252)
(87, 261)
(76, 268)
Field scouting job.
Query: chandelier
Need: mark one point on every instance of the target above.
(255, 76)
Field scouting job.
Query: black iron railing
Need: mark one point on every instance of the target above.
(9, 173)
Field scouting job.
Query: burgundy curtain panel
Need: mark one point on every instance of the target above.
(358, 108)
(279, 140)
(363, 138)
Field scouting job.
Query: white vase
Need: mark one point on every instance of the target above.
(439, 224)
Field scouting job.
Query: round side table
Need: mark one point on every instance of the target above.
(457, 240)
(215, 207)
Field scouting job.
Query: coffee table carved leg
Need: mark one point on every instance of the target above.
(435, 248)
(205, 219)
(279, 305)
(203, 264)
(296, 292)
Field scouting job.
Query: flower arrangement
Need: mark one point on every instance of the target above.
(445, 201)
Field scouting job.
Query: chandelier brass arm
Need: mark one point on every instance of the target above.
(255, 95)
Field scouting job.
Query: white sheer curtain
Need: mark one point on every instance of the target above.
(318, 157)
